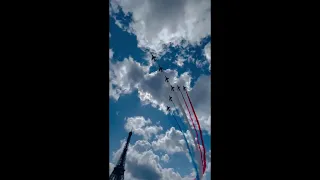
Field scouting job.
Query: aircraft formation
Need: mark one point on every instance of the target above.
(202, 152)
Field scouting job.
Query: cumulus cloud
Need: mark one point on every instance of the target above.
(142, 163)
(140, 126)
(165, 158)
(161, 23)
(118, 23)
(110, 53)
(156, 92)
(129, 75)
(207, 53)
(171, 142)
(124, 76)
(180, 61)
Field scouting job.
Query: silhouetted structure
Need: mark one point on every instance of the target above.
(118, 171)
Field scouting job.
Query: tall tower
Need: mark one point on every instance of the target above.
(118, 171)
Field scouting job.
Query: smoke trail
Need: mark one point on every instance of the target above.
(190, 152)
(190, 129)
(191, 132)
(193, 127)
(204, 149)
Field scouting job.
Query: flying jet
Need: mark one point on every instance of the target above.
(172, 88)
(178, 87)
(184, 88)
(153, 57)
(167, 79)
(160, 69)
(168, 108)
(170, 98)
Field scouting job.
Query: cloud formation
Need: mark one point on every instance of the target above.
(179, 61)
(165, 158)
(110, 54)
(207, 53)
(124, 76)
(140, 126)
(142, 163)
(171, 142)
(158, 24)
(129, 75)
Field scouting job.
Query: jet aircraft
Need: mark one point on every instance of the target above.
(184, 88)
(153, 57)
(167, 79)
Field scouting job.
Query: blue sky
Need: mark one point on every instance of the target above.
(138, 94)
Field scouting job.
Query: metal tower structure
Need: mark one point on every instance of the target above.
(118, 171)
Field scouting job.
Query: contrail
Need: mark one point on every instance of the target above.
(204, 149)
(190, 151)
(193, 127)
(190, 129)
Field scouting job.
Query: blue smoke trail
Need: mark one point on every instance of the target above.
(191, 132)
(190, 152)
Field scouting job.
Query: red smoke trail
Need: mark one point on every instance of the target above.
(204, 152)
(193, 127)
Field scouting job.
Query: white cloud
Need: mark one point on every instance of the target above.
(124, 76)
(140, 126)
(110, 54)
(129, 75)
(180, 61)
(111, 166)
(109, 35)
(207, 53)
(159, 23)
(158, 91)
(171, 142)
(165, 158)
(142, 163)
(118, 23)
